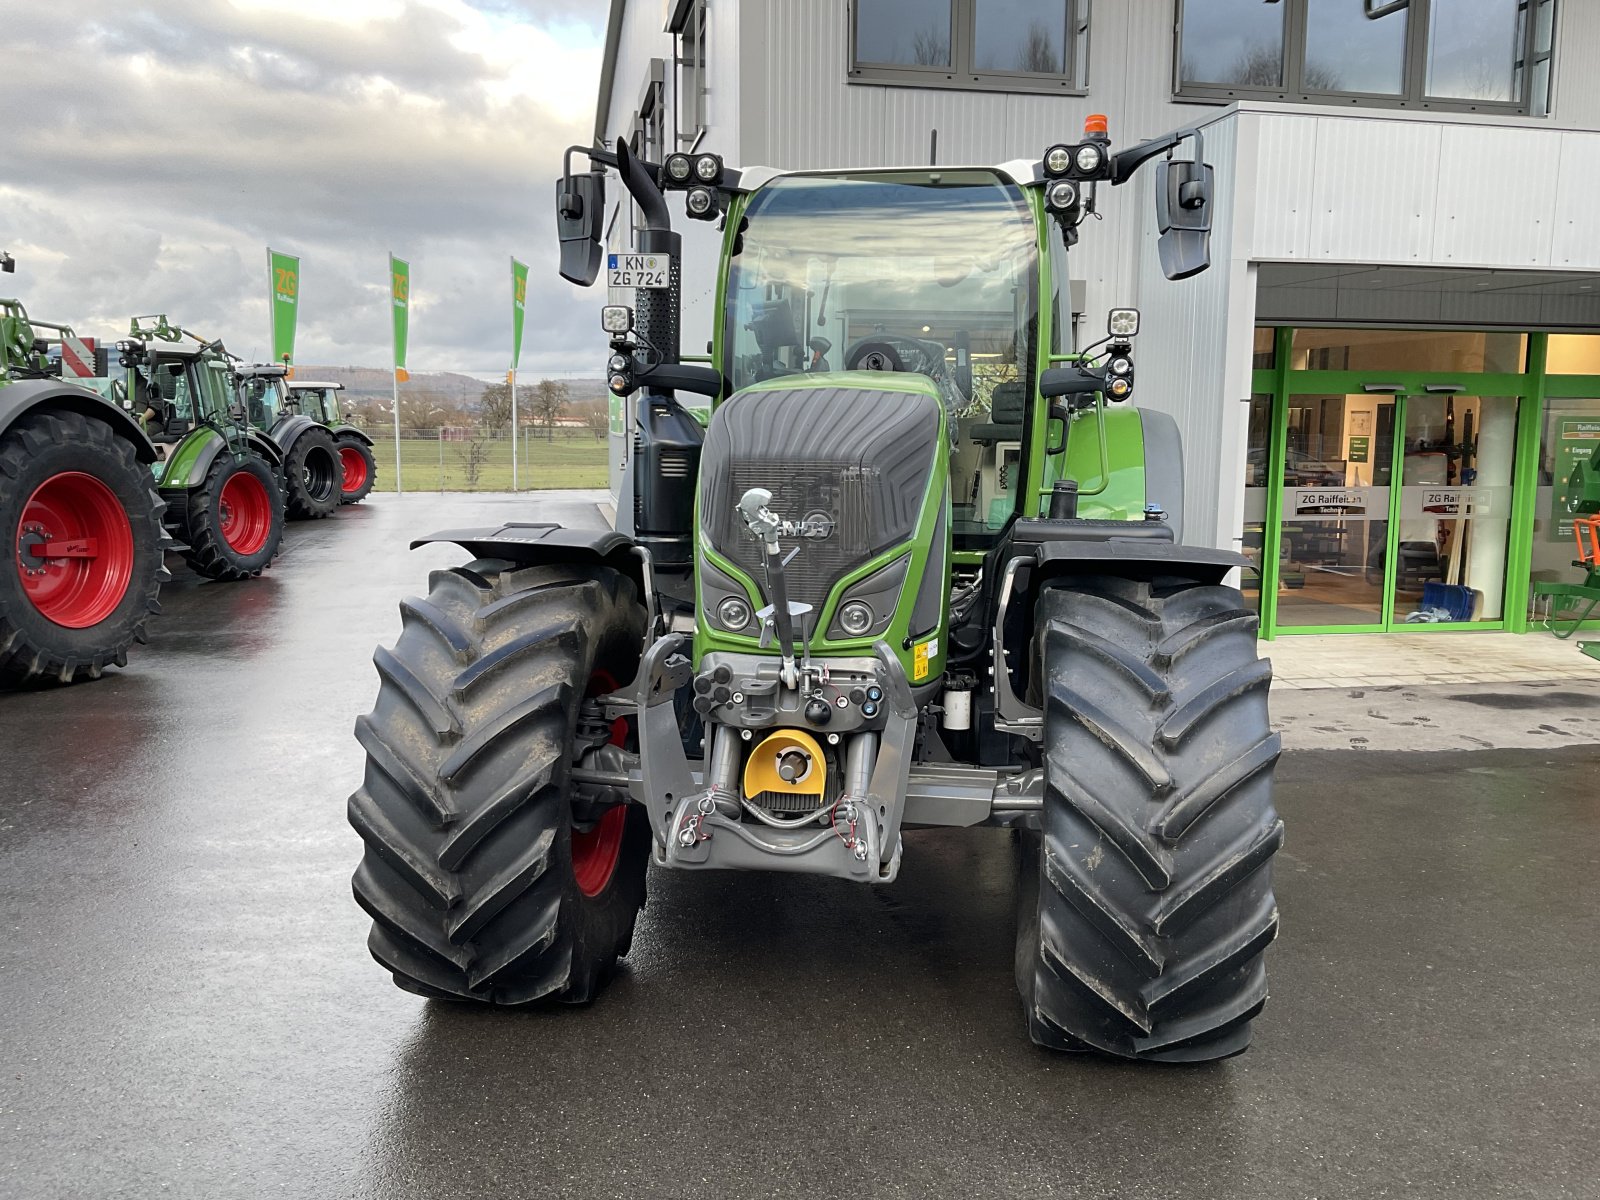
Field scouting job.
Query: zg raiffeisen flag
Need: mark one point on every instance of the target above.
(283, 271)
(519, 305)
(400, 298)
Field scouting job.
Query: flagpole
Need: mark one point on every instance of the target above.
(272, 306)
(512, 376)
(399, 490)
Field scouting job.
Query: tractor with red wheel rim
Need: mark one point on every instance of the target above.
(313, 472)
(79, 516)
(218, 475)
(357, 466)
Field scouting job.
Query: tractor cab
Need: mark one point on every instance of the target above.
(169, 385)
(317, 400)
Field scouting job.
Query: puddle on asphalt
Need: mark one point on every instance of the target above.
(1543, 700)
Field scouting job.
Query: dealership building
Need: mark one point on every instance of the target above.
(1388, 372)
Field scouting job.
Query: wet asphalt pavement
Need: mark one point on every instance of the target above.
(187, 1008)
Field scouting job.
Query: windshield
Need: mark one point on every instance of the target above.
(929, 271)
(263, 399)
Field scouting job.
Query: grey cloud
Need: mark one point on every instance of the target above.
(123, 195)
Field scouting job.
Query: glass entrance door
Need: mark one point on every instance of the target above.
(1396, 509)
(1338, 455)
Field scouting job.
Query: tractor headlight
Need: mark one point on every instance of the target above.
(733, 614)
(619, 364)
(620, 384)
(1089, 158)
(616, 318)
(1058, 160)
(1119, 388)
(708, 168)
(1123, 322)
(1120, 366)
(679, 168)
(701, 202)
(1061, 196)
(856, 617)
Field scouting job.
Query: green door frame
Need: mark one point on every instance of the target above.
(1531, 390)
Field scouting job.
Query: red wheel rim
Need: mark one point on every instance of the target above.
(355, 468)
(74, 550)
(246, 513)
(595, 851)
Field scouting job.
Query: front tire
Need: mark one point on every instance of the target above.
(479, 883)
(68, 481)
(1148, 902)
(358, 468)
(311, 475)
(232, 523)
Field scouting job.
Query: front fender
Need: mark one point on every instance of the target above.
(191, 458)
(350, 431)
(289, 430)
(534, 545)
(268, 449)
(18, 400)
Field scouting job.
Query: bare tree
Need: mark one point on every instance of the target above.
(1039, 54)
(930, 47)
(473, 456)
(550, 400)
(494, 406)
(597, 417)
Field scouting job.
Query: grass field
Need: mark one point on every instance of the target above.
(429, 465)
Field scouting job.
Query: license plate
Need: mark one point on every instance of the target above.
(639, 270)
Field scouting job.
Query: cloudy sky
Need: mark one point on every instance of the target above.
(155, 148)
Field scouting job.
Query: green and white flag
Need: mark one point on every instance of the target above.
(400, 297)
(283, 272)
(519, 305)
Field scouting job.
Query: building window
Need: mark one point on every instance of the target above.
(686, 21)
(1000, 45)
(1462, 55)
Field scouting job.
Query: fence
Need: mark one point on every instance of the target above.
(468, 460)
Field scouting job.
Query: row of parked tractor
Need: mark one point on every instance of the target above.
(113, 454)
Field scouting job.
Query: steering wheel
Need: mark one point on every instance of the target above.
(874, 356)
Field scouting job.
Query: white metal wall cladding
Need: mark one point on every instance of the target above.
(1442, 192)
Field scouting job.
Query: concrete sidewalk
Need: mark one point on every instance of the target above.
(1385, 659)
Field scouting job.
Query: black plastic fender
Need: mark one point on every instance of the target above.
(19, 399)
(1135, 559)
(536, 544)
(267, 448)
(350, 431)
(288, 430)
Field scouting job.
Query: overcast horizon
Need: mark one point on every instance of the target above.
(156, 151)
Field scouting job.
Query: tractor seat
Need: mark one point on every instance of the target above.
(1008, 408)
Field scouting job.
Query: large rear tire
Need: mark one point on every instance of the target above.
(479, 883)
(358, 468)
(232, 523)
(69, 483)
(312, 474)
(1147, 897)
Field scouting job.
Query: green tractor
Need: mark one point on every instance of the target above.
(311, 465)
(358, 468)
(218, 475)
(78, 515)
(923, 568)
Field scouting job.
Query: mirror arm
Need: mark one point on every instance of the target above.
(681, 377)
(639, 177)
(1128, 161)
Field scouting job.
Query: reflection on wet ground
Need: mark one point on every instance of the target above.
(190, 1010)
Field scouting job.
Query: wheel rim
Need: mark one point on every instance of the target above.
(319, 474)
(354, 466)
(595, 851)
(74, 550)
(246, 513)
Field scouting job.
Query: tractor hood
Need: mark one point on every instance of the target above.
(856, 464)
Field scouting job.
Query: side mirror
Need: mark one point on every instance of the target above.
(580, 213)
(1184, 195)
